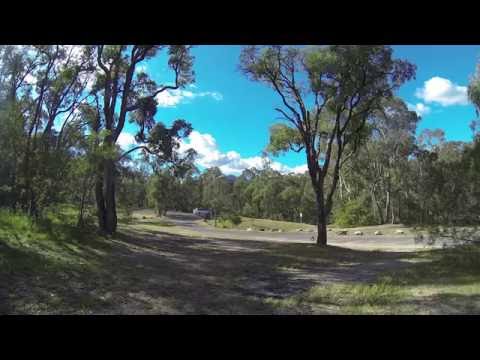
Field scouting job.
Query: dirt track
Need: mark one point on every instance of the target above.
(398, 243)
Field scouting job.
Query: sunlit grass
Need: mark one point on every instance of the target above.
(445, 281)
(50, 243)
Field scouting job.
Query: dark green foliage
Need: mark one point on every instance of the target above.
(353, 213)
(233, 218)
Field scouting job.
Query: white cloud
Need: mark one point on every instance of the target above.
(89, 80)
(30, 79)
(300, 169)
(230, 162)
(76, 51)
(442, 91)
(171, 98)
(126, 140)
(141, 69)
(420, 108)
(213, 94)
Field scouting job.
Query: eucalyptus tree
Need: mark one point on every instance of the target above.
(474, 89)
(60, 82)
(217, 190)
(328, 93)
(15, 68)
(377, 171)
(121, 91)
(43, 85)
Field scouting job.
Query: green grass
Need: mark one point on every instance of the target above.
(39, 260)
(445, 281)
(50, 243)
(346, 298)
(51, 266)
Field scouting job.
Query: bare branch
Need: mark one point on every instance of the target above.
(135, 149)
(286, 116)
(99, 59)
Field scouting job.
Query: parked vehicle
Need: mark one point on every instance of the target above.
(204, 213)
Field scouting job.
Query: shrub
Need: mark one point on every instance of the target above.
(353, 213)
(233, 218)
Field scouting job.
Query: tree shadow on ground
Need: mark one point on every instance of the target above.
(153, 272)
(34, 283)
(441, 304)
(232, 276)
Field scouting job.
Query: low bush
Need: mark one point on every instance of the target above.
(234, 219)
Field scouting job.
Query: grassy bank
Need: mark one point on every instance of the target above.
(42, 263)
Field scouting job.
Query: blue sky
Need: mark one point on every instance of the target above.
(231, 115)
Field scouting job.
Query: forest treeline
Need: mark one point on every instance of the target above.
(397, 177)
(63, 109)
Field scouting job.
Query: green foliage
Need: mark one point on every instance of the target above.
(232, 218)
(347, 84)
(216, 191)
(353, 213)
(283, 138)
(474, 89)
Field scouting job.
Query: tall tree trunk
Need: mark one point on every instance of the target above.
(399, 209)
(32, 206)
(82, 201)
(99, 198)
(378, 208)
(392, 210)
(387, 206)
(341, 188)
(321, 218)
(110, 207)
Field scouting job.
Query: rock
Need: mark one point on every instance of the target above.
(261, 229)
(342, 232)
(377, 233)
(274, 230)
(299, 229)
(249, 229)
(310, 230)
(399, 232)
(358, 233)
(144, 217)
(329, 229)
(280, 230)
